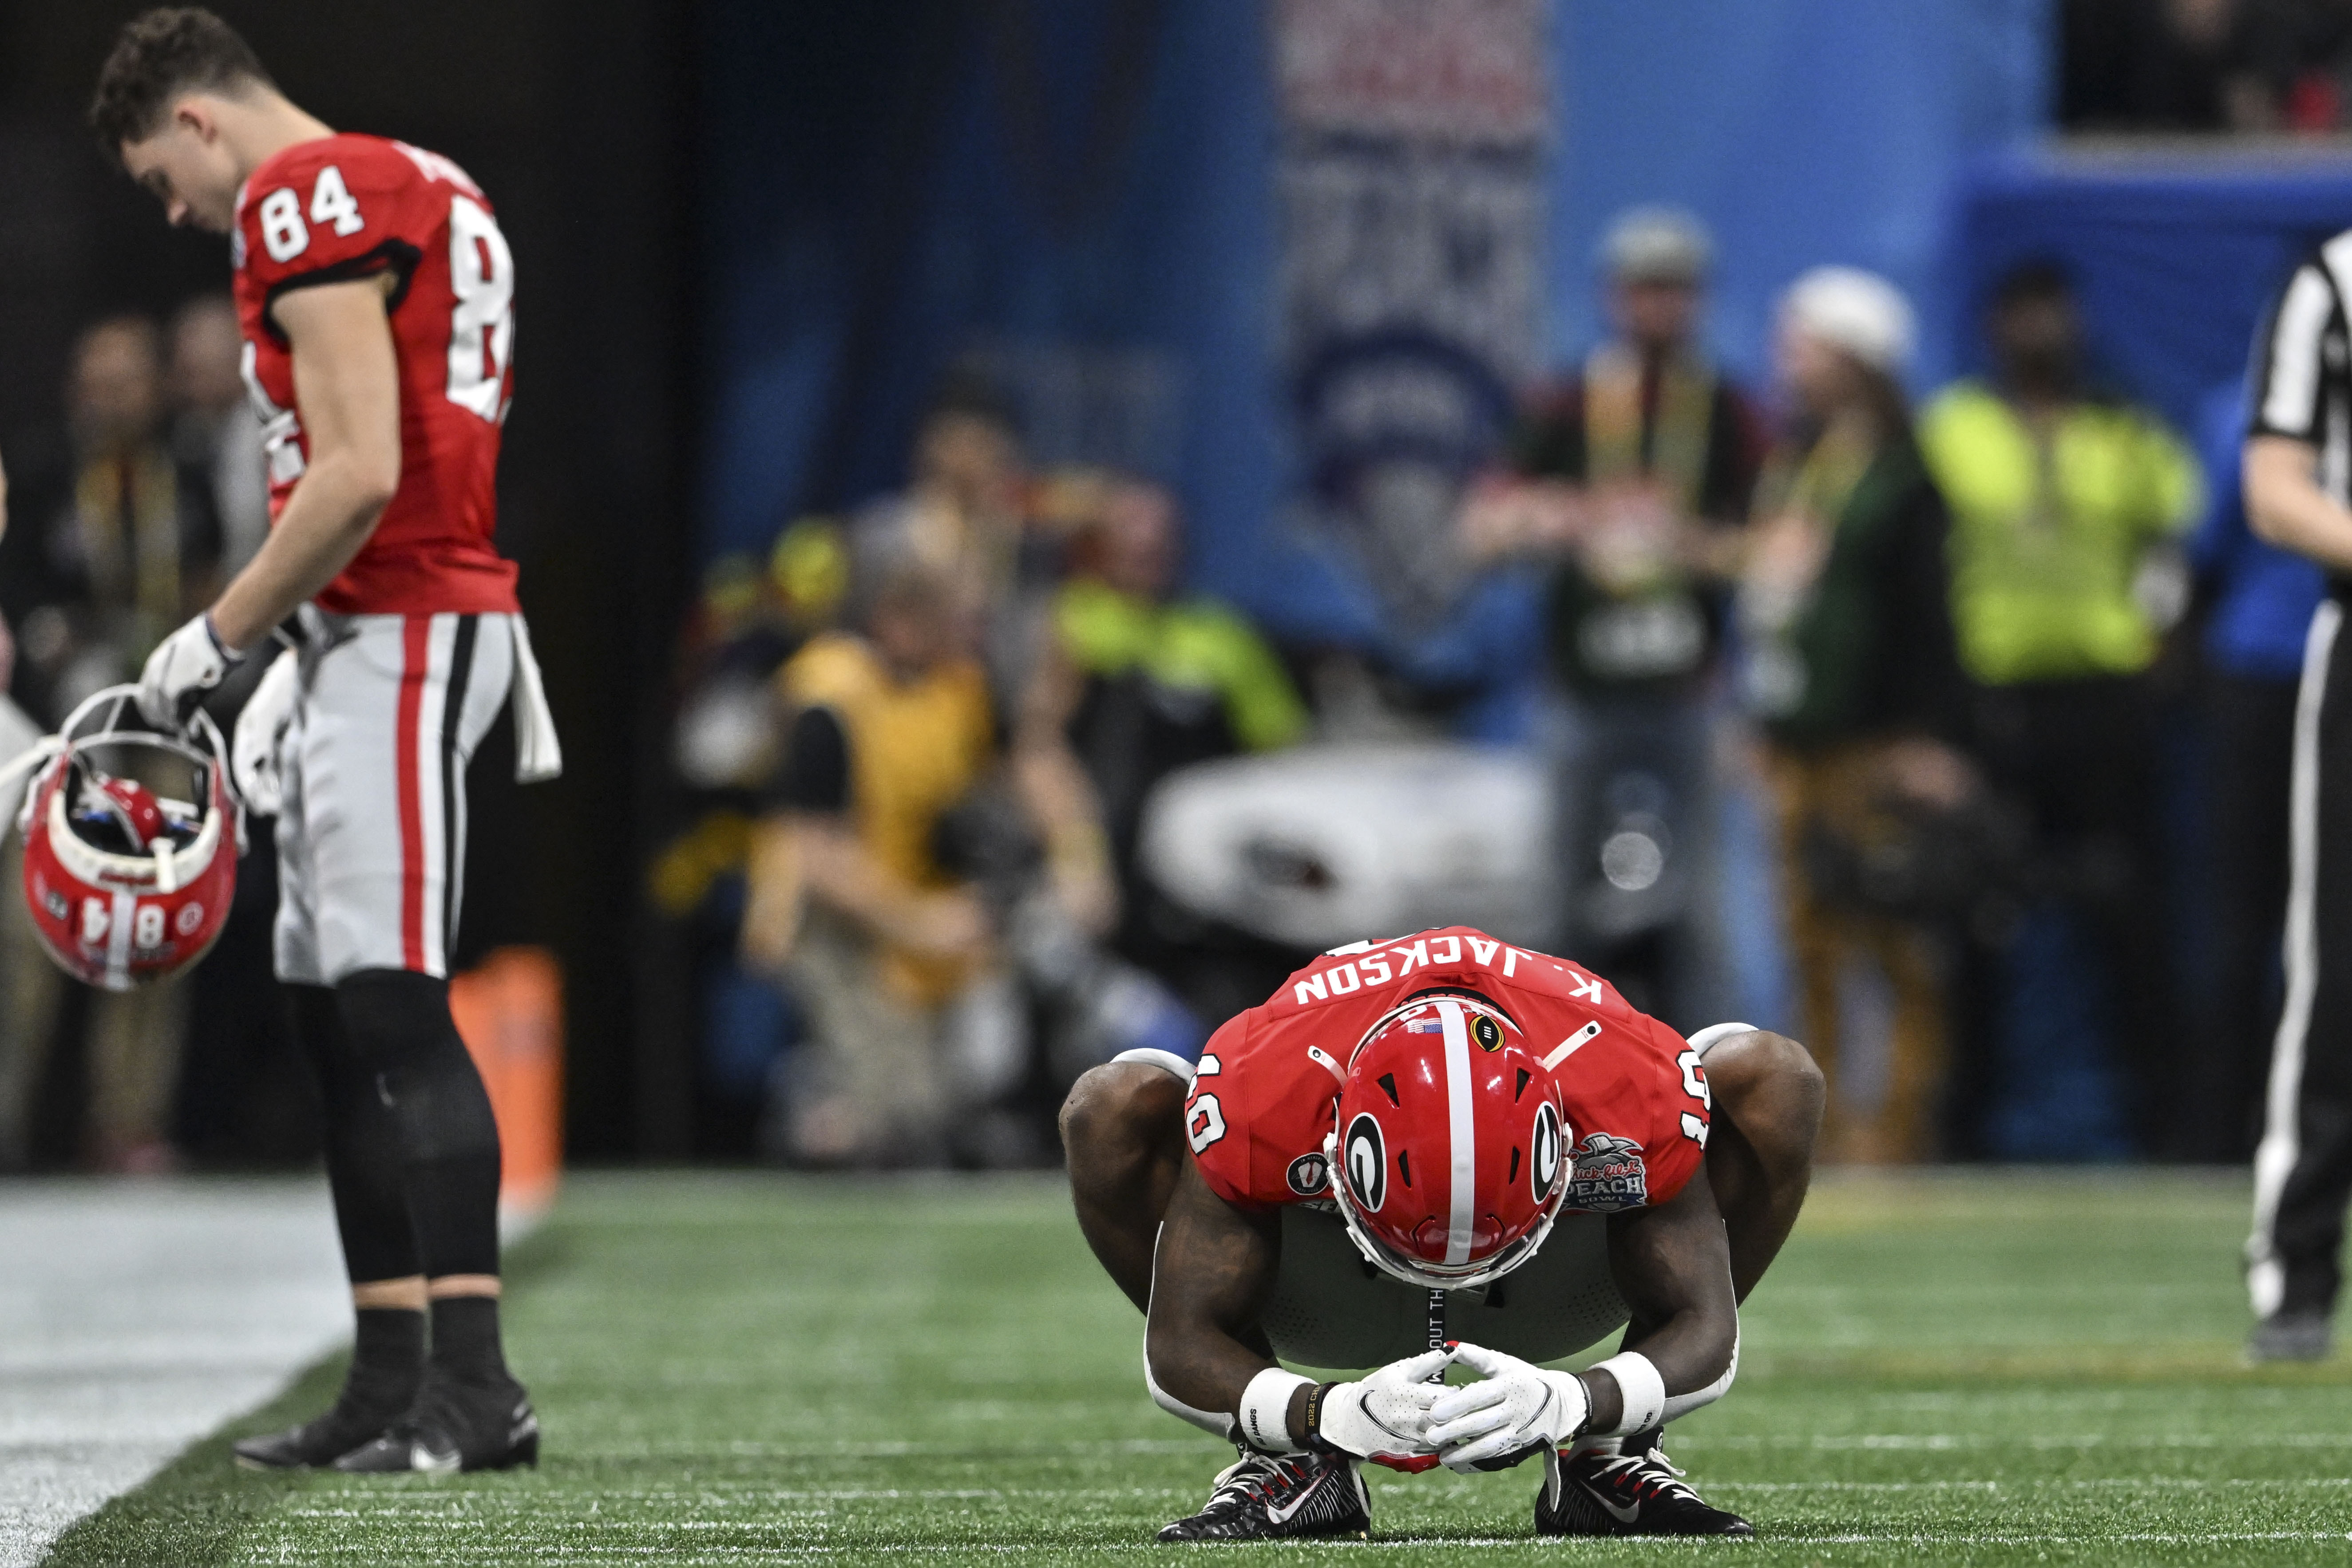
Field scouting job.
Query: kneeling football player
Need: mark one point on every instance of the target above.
(1443, 1140)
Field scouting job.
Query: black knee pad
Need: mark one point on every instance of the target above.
(399, 1027)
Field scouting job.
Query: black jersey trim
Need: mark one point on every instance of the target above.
(395, 256)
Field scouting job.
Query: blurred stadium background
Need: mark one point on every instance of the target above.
(1254, 363)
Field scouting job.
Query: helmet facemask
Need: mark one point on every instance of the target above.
(1362, 1164)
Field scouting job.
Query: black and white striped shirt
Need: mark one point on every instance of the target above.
(2300, 383)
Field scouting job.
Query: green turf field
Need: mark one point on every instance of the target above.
(1981, 1369)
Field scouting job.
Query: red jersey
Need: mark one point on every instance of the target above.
(1264, 1097)
(354, 207)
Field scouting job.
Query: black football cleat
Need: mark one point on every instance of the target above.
(314, 1445)
(1625, 1494)
(1266, 1497)
(454, 1426)
(2291, 1336)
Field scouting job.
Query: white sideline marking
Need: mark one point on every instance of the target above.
(135, 1317)
(1936, 1442)
(1438, 1544)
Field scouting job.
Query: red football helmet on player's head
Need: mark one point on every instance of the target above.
(1448, 1156)
(127, 880)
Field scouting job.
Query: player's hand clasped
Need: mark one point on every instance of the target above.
(183, 667)
(1382, 1417)
(1513, 1410)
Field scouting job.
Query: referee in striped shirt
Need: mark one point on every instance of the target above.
(2298, 485)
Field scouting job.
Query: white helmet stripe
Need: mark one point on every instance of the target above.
(1464, 1134)
(118, 941)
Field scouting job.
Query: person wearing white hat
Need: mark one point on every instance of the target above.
(1843, 605)
(1856, 311)
(1630, 480)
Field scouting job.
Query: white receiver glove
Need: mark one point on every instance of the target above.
(1381, 1417)
(188, 662)
(253, 761)
(1514, 1411)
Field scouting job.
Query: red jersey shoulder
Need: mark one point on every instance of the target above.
(1638, 1109)
(343, 205)
(1635, 1097)
(1260, 1108)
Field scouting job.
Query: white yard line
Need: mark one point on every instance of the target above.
(135, 1317)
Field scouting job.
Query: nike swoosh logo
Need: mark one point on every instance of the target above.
(1622, 1515)
(1282, 1515)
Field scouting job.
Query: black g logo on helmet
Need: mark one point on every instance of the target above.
(1543, 1164)
(1364, 1156)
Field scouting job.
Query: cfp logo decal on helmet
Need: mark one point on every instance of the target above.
(1308, 1174)
(1543, 1151)
(1365, 1158)
(1485, 1033)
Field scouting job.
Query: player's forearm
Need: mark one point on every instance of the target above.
(1206, 1368)
(2287, 507)
(1690, 1350)
(1211, 1271)
(326, 523)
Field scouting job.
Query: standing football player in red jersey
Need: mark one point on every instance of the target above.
(1444, 1141)
(376, 294)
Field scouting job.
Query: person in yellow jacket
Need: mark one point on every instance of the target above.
(891, 728)
(2065, 509)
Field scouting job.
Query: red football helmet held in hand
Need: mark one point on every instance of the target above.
(131, 844)
(1448, 1155)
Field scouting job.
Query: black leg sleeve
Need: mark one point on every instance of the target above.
(364, 1157)
(448, 1141)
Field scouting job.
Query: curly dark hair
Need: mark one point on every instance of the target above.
(160, 55)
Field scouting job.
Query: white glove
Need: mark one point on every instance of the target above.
(1382, 1417)
(254, 761)
(1514, 1411)
(190, 661)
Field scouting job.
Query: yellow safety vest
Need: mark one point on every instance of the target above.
(2049, 531)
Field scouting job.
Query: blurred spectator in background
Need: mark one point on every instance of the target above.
(891, 728)
(2173, 65)
(1631, 480)
(1844, 610)
(1134, 683)
(969, 494)
(2259, 603)
(117, 543)
(2205, 65)
(2066, 509)
(755, 613)
(214, 432)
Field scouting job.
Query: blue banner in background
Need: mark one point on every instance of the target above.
(2174, 254)
(1079, 195)
(1085, 196)
(1803, 131)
